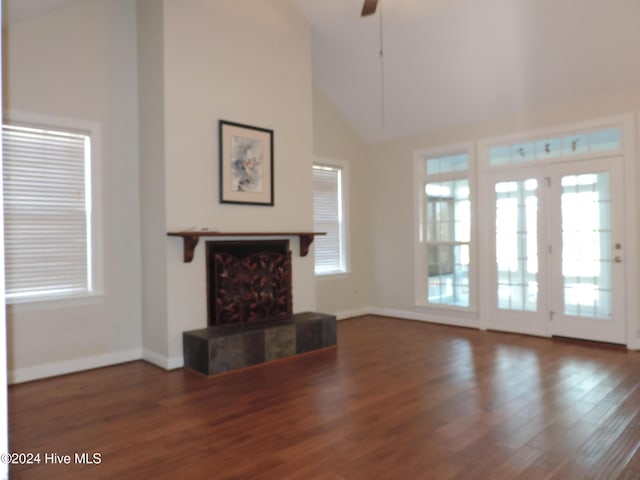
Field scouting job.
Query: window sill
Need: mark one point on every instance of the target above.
(332, 276)
(53, 303)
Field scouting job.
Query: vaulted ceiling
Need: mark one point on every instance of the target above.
(452, 62)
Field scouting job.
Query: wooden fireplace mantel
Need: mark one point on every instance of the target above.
(191, 238)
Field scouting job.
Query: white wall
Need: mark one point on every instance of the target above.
(392, 182)
(199, 61)
(150, 24)
(80, 62)
(4, 417)
(247, 62)
(333, 139)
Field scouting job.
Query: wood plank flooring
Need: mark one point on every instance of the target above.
(396, 400)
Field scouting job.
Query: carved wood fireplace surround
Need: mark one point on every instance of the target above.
(249, 307)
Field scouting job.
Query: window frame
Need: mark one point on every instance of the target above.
(343, 167)
(93, 175)
(485, 145)
(421, 246)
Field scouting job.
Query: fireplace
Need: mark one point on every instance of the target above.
(248, 281)
(249, 310)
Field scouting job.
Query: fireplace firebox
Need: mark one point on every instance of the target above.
(248, 281)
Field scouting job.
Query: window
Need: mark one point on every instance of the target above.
(329, 207)
(445, 237)
(558, 146)
(47, 202)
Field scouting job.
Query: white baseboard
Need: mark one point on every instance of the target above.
(27, 374)
(633, 344)
(175, 362)
(356, 312)
(424, 317)
(162, 361)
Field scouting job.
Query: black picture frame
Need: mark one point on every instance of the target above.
(246, 164)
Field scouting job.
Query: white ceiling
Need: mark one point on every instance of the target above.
(453, 62)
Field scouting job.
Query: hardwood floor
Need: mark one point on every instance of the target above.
(397, 400)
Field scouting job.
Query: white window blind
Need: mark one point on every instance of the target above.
(47, 212)
(328, 217)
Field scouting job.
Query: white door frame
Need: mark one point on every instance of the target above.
(629, 153)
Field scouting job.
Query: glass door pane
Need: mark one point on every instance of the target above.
(586, 245)
(559, 259)
(587, 295)
(516, 230)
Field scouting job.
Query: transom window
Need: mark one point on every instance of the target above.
(557, 146)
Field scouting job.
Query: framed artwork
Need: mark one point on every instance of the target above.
(246, 164)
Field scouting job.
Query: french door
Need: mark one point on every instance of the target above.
(557, 234)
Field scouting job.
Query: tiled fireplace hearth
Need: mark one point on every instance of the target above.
(216, 350)
(249, 300)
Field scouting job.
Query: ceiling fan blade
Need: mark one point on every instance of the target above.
(369, 7)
